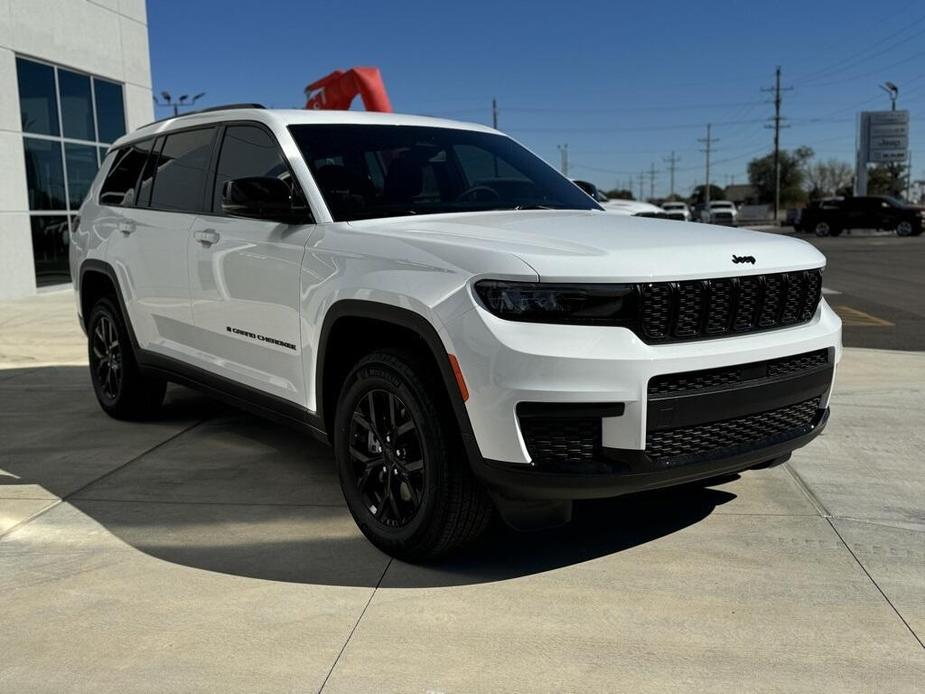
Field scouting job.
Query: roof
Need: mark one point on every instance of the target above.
(286, 117)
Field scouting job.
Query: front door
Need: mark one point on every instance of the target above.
(245, 277)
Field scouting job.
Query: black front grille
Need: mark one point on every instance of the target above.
(703, 441)
(674, 311)
(561, 441)
(739, 374)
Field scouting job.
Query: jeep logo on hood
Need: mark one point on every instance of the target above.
(743, 259)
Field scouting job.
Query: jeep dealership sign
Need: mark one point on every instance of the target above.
(884, 137)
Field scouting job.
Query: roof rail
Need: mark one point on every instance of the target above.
(226, 107)
(210, 109)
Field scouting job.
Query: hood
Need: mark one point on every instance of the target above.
(588, 245)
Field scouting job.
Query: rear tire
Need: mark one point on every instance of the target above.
(823, 229)
(402, 469)
(121, 389)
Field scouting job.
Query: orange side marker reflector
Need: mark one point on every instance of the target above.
(460, 381)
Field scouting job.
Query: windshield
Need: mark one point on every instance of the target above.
(371, 171)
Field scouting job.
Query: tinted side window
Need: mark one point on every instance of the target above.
(247, 151)
(119, 187)
(181, 171)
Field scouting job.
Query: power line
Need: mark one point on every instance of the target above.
(777, 126)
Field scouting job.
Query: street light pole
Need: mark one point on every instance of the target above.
(175, 104)
(893, 91)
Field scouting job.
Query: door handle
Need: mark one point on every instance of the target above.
(127, 227)
(207, 236)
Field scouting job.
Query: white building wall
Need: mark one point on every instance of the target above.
(108, 38)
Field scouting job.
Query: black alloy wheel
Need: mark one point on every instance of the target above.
(387, 459)
(400, 459)
(106, 357)
(121, 388)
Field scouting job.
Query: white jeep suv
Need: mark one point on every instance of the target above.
(466, 327)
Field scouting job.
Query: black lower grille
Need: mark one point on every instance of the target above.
(708, 379)
(673, 311)
(694, 443)
(561, 441)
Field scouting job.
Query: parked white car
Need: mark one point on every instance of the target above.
(721, 212)
(677, 210)
(465, 327)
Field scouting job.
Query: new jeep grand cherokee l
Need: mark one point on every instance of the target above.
(467, 328)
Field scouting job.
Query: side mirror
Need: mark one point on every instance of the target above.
(262, 198)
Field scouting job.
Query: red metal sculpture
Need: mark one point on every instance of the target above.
(337, 90)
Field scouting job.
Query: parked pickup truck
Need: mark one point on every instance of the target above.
(832, 216)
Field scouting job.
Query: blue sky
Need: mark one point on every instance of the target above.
(623, 84)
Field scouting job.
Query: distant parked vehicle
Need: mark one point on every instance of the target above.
(720, 212)
(591, 190)
(832, 216)
(677, 210)
(636, 208)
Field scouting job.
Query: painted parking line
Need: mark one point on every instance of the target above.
(854, 318)
(829, 292)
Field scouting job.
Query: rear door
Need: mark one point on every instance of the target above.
(245, 275)
(152, 220)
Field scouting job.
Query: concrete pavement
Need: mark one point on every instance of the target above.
(211, 551)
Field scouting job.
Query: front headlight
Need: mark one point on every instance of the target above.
(570, 304)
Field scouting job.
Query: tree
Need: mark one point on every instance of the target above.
(620, 194)
(887, 179)
(697, 196)
(761, 175)
(827, 178)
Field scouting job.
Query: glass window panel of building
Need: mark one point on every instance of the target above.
(68, 120)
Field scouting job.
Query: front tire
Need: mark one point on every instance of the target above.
(402, 469)
(823, 229)
(121, 389)
(905, 228)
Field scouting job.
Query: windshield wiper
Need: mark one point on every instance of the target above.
(535, 207)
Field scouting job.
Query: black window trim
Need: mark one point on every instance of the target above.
(212, 176)
(158, 146)
(117, 151)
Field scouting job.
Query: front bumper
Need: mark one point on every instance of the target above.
(526, 482)
(505, 364)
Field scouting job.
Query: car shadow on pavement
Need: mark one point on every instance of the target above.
(209, 487)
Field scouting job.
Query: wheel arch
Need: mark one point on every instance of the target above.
(96, 279)
(339, 348)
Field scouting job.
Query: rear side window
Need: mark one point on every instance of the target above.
(248, 151)
(119, 187)
(182, 167)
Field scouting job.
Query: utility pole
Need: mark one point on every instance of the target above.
(563, 159)
(494, 113)
(642, 192)
(777, 126)
(672, 162)
(708, 142)
(652, 175)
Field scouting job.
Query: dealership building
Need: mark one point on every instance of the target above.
(74, 76)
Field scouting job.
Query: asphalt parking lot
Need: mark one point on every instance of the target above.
(211, 551)
(876, 282)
